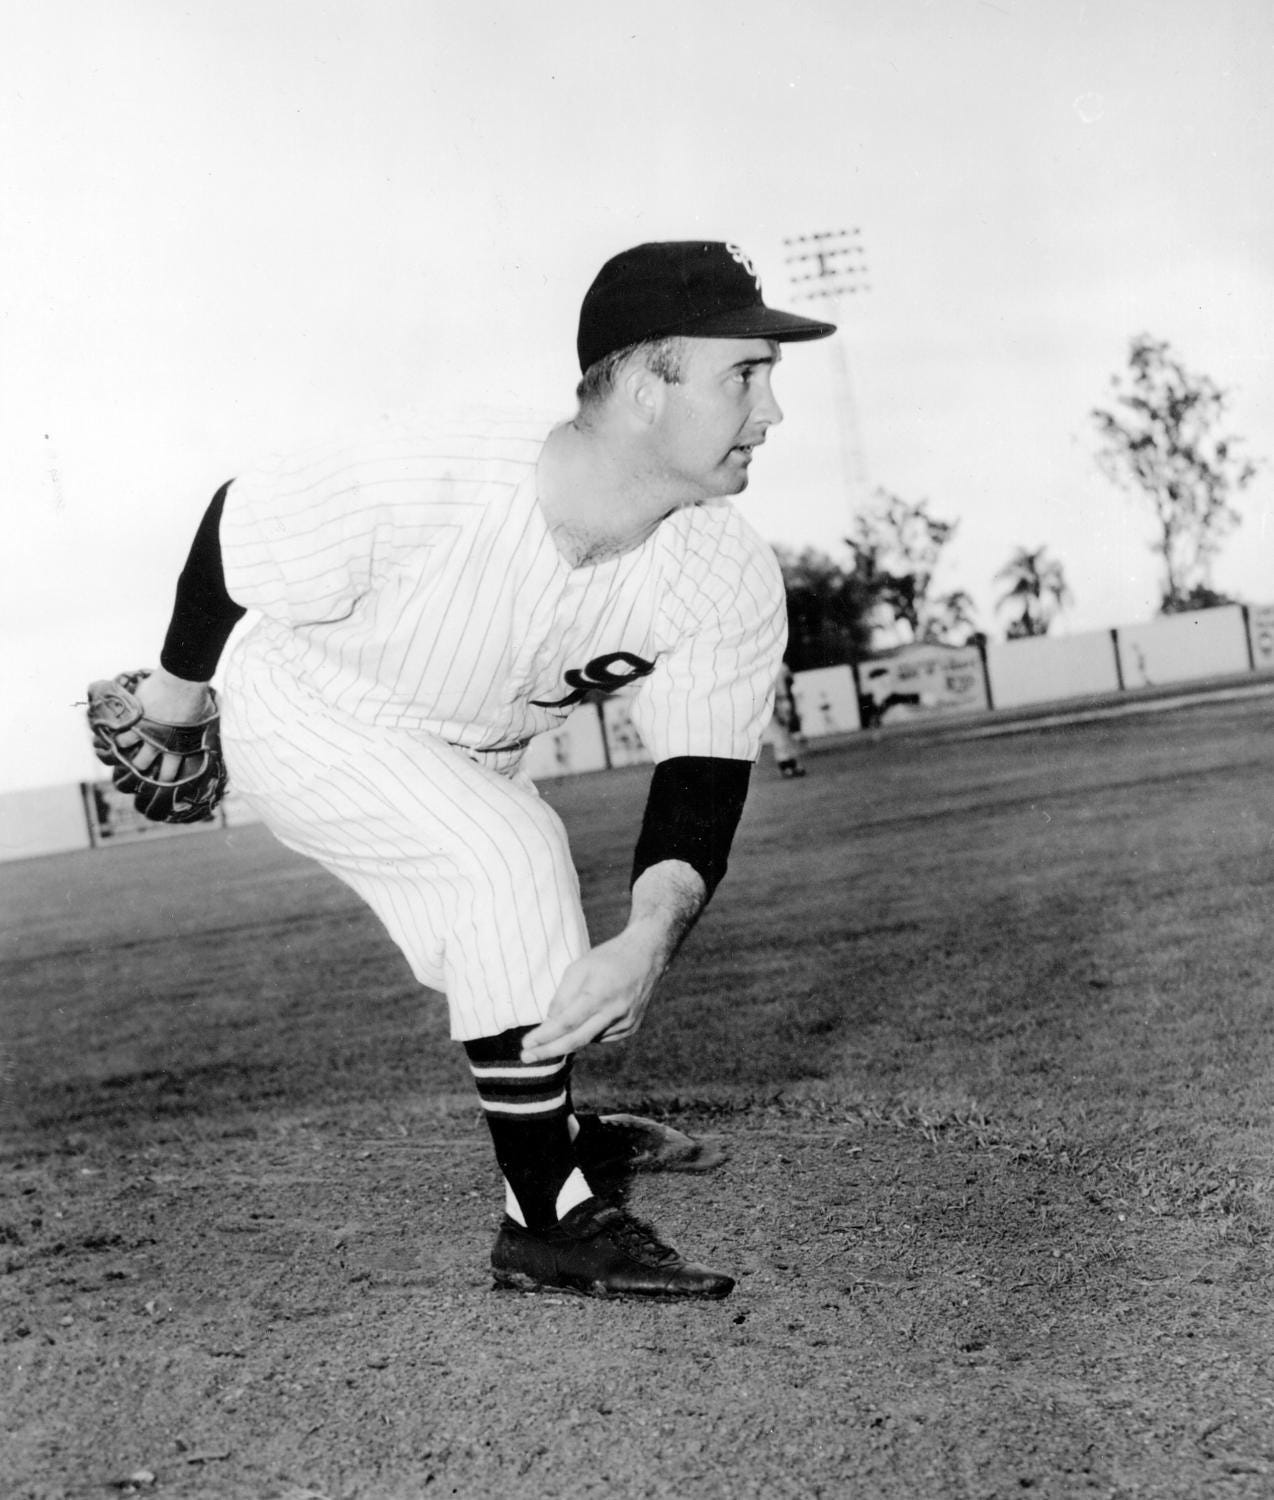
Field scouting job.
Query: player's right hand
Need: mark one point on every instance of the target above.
(602, 997)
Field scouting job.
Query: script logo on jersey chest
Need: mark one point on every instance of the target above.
(606, 673)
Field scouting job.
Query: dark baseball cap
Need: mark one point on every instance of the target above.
(700, 288)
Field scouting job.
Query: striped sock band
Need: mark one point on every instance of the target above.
(513, 1089)
(528, 1112)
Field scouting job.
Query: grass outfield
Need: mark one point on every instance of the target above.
(986, 1024)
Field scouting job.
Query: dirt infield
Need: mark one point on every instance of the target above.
(985, 1027)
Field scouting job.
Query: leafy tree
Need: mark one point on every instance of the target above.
(950, 619)
(897, 545)
(834, 611)
(1165, 441)
(827, 610)
(1037, 591)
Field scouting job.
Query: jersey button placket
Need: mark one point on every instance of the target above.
(539, 637)
(567, 618)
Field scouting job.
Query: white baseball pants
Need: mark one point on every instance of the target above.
(467, 868)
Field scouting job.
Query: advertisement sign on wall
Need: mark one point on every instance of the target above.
(914, 680)
(1260, 629)
(826, 700)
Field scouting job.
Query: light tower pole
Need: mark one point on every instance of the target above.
(830, 266)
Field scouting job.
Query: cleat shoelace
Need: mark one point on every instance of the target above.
(638, 1239)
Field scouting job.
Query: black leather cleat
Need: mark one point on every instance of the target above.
(599, 1251)
(611, 1145)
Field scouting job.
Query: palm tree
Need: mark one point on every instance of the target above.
(1037, 590)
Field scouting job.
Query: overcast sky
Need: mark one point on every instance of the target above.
(241, 225)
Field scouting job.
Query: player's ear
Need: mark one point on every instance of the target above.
(641, 391)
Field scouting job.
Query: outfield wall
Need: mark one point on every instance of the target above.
(1260, 636)
(1044, 667)
(907, 683)
(1172, 649)
(1184, 648)
(48, 820)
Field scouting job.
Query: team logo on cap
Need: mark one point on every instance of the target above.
(745, 260)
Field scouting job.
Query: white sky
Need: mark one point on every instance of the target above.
(237, 225)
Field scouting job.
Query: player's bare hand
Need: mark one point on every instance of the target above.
(168, 700)
(602, 997)
(172, 700)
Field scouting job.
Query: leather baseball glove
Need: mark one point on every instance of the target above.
(175, 773)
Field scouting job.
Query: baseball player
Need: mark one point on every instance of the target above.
(424, 607)
(785, 725)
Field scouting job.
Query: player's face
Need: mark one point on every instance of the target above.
(718, 414)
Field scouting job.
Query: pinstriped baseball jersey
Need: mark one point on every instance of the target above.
(417, 627)
(415, 585)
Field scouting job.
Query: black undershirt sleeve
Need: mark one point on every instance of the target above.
(204, 614)
(692, 812)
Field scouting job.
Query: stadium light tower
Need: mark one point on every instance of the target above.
(830, 266)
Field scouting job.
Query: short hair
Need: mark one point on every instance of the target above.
(662, 357)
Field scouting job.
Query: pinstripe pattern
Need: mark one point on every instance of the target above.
(468, 869)
(412, 606)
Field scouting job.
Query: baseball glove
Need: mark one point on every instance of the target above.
(175, 773)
